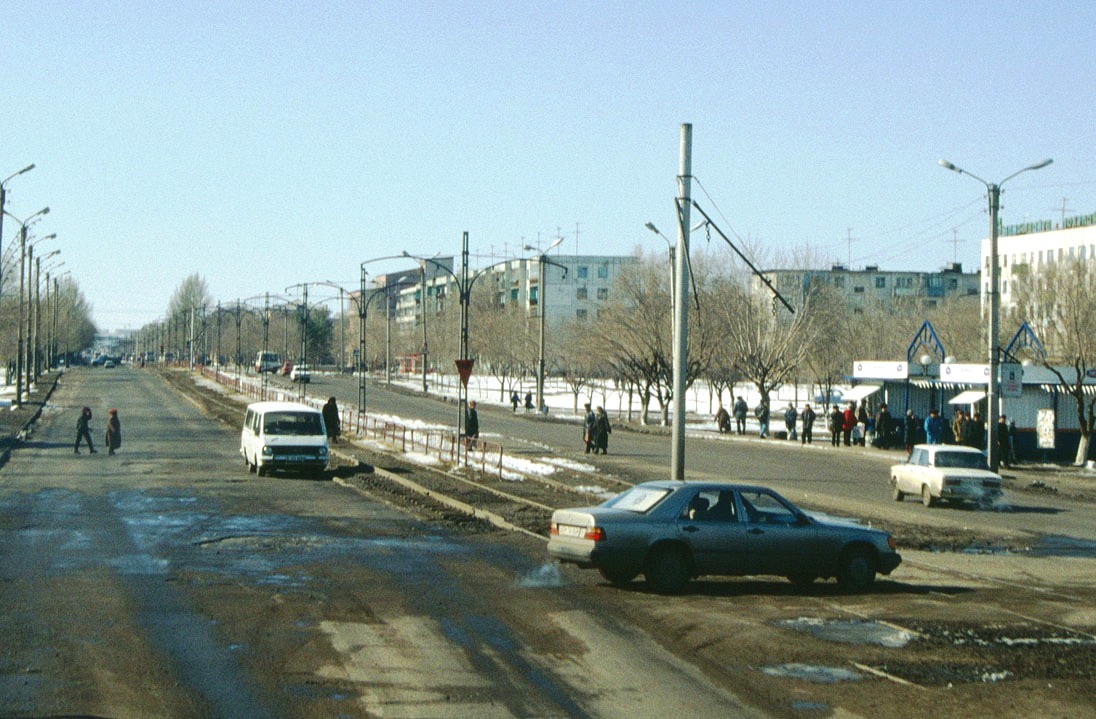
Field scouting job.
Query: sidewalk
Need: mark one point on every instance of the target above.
(15, 420)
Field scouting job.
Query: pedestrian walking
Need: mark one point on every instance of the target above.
(762, 414)
(83, 430)
(974, 432)
(1004, 441)
(790, 417)
(837, 422)
(884, 427)
(471, 425)
(113, 438)
(331, 419)
(602, 430)
(935, 427)
(529, 401)
(740, 412)
(722, 419)
(515, 400)
(808, 424)
(1012, 442)
(588, 421)
(909, 430)
(863, 423)
(848, 422)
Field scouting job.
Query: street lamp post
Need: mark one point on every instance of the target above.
(464, 285)
(22, 261)
(36, 359)
(3, 200)
(542, 304)
(992, 396)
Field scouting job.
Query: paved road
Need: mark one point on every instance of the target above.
(845, 481)
(166, 581)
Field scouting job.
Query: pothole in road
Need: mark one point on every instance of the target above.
(813, 673)
(851, 631)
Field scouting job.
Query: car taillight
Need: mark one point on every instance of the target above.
(890, 542)
(595, 533)
(553, 528)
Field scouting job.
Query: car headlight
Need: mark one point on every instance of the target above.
(323, 452)
(267, 451)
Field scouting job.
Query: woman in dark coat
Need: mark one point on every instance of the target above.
(331, 420)
(602, 430)
(114, 432)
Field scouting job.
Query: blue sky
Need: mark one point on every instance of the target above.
(267, 144)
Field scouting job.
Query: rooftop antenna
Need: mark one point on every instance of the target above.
(955, 244)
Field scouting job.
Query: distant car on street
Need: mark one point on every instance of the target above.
(300, 373)
(673, 531)
(945, 472)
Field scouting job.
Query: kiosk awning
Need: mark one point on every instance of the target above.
(970, 396)
(859, 392)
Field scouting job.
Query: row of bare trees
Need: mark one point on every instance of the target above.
(737, 335)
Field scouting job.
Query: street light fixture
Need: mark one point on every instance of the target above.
(542, 303)
(992, 398)
(23, 224)
(3, 201)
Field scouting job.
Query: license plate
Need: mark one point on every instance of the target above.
(567, 530)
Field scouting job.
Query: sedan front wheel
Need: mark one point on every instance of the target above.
(926, 496)
(856, 570)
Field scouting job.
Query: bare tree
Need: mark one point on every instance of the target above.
(1059, 302)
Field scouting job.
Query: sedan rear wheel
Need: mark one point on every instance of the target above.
(667, 570)
(926, 496)
(856, 570)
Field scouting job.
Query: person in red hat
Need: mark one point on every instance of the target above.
(114, 432)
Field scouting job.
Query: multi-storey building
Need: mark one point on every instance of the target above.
(575, 286)
(871, 285)
(1033, 246)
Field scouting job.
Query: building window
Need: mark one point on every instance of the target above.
(514, 295)
(583, 272)
(1004, 286)
(858, 290)
(839, 282)
(603, 272)
(603, 293)
(953, 284)
(580, 314)
(880, 283)
(533, 295)
(581, 293)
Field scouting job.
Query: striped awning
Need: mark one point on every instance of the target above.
(1088, 389)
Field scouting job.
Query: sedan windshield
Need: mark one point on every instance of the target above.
(638, 499)
(962, 460)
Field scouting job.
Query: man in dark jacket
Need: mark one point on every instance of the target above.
(808, 424)
(602, 429)
(740, 412)
(588, 421)
(83, 431)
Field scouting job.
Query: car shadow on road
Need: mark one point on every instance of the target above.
(999, 508)
(730, 588)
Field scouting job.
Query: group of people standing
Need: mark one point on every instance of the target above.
(112, 439)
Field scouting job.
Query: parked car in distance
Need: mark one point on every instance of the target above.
(300, 373)
(283, 436)
(287, 367)
(267, 362)
(945, 472)
(673, 531)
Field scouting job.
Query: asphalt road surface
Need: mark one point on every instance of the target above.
(167, 581)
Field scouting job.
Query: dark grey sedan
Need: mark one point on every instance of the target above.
(673, 531)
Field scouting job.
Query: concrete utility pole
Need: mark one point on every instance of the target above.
(992, 395)
(681, 305)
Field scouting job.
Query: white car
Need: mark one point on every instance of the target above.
(945, 472)
(300, 373)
